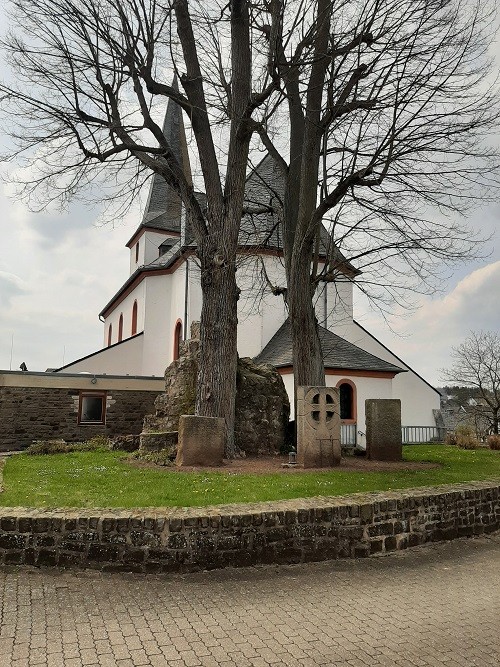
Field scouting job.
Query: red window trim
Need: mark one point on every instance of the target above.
(120, 328)
(134, 319)
(354, 401)
(177, 339)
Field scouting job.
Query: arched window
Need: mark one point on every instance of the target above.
(110, 334)
(137, 252)
(134, 318)
(120, 328)
(177, 339)
(347, 396)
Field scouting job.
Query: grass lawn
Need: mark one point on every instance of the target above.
(103, 479)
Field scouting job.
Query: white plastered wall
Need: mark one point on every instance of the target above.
(366, 387)
(125, 308)
(122, 359)
(149, 243)
(260, 313)
(418, 399)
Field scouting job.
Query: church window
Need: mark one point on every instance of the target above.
(134, 318)
(120, 328)
(110, 334)
(92, 408)
(177, 339)
(347, 396)
(137, 252)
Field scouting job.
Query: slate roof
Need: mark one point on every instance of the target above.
(338, 353)
(265, 186)
(163, 208)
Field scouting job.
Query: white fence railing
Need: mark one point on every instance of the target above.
(348, 435)
(411, 435)
(415, 435)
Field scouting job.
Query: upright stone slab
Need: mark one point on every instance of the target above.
(201, 441)
(383, 429)
(318, 427)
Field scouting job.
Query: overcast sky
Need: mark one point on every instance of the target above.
(57, 271)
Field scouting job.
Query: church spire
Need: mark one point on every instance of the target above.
(163, 208)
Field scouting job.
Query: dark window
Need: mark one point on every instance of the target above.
(346, 401)
(134, 318)
(120, 328)
(136, 252)
(92, 408)
(177, 339)
(110, 334)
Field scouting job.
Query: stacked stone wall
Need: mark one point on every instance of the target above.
(40, 413)
(292, 531)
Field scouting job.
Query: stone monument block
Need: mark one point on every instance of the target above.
(201, 441)
(383, 429)
(318, 427)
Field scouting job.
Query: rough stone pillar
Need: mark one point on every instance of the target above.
(383, 429)
(201, 441)
(318, 427)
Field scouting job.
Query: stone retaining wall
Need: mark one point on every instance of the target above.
(292, 531)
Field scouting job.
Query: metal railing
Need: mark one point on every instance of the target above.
(416, 435)
(348, 435)
(411, 435)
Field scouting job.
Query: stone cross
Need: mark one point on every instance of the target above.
(318, 427)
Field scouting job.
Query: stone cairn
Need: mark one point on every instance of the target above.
(262, 405)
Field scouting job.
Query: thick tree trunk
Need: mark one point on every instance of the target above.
(308, 365)
(216, 393)
(495, 423)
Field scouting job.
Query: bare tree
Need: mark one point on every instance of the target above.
(88, 74)
(387, 111)
(373, 110)
(476, 363)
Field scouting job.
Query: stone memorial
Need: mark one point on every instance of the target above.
(318, 427)
(201, 441)
(383, 429)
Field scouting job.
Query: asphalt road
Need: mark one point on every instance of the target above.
(433, 605)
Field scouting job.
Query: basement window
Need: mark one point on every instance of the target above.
(92, 408)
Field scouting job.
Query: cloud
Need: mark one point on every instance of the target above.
(10, 287)
(426, 337)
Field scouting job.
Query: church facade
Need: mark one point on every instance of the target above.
(151, 313)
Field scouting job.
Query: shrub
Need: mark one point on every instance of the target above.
(451, 439)
(466, 437)
(163, 457)
(62, 447)
(493, 441)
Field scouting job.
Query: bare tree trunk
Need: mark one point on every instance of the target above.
(495, 423)
(216, 393)
(307, 356)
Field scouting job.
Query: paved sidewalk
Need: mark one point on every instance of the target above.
(435, 605)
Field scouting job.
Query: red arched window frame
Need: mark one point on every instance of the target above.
(134, 319)
(110, 334)
(120, 328)
(354, 401)
(177, 339)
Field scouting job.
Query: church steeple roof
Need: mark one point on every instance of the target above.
(163, 208)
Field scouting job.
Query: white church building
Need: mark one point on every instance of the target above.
(153, 309)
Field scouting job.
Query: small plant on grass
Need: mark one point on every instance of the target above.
(466, 437)
(451, 439)
(493, 442)
(163, 457)
(96, 443)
